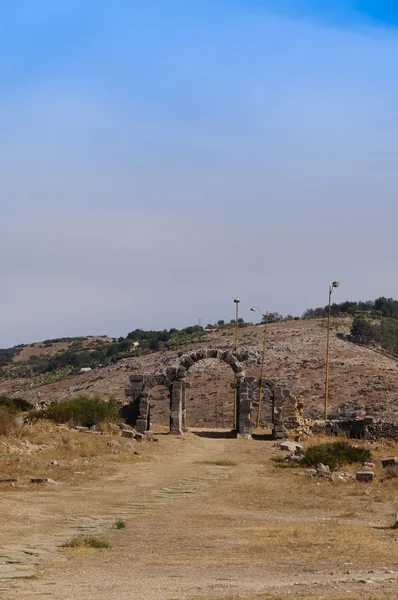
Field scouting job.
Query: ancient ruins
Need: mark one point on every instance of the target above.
(286, 409)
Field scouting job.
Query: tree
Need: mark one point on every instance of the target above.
(362, 330)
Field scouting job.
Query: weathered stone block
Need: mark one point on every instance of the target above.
(136, 377)
(365, 476)
(389, 462)
(127, 433)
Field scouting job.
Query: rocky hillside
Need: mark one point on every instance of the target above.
(362, 381)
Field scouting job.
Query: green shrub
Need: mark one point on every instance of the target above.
(335, 454)
(119, 524)
(15, 404)
(81, 410)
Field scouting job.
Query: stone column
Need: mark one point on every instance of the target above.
(176, 403)
(143, 422)
(183, 406)
(243, 417)
(278, 426)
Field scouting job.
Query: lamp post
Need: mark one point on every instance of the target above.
(260, 393)
(236, 353)
(335, 284)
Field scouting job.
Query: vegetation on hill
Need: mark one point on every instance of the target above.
(43, 369)
(381, 307)
(375, 322)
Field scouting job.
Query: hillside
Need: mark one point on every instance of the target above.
(362, 381)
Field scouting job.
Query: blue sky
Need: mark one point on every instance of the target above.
(159, 158)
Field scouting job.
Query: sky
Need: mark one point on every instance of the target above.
(159, 158)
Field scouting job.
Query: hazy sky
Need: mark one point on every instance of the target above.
(160, 157)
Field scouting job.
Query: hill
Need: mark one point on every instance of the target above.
(362, 380)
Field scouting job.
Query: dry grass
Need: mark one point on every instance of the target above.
(46, 450)
(87, 541)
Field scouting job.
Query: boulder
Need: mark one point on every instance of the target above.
(127, 433)
(291, 447)
(365, 476)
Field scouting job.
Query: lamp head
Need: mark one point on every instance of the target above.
(253, 308)
(237, 300)
(335, 284)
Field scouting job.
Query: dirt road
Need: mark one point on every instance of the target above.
(196, 529)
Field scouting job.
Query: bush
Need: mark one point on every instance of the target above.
(81, 410)
(15, 404)
(335, 455)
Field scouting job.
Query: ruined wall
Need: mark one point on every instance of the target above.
(367, 428)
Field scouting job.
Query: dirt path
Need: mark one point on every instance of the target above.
(199, 530)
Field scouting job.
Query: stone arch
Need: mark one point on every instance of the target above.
(287, 409)
(137, 412)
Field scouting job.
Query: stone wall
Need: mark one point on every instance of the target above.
(367, 428)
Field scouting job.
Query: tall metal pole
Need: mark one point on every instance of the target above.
(327, 358)
(260, 392)
(236, 354)
(335, 284)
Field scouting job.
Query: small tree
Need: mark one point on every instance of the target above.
(362, 330)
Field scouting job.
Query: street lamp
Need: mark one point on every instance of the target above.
(236, 352)
(260, 394)
(335, 284)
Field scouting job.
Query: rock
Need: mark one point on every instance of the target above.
(368, 465)
(127, 433)
(365, 476)
(114, 427)
(322, 469)
(54, 463)
(292, 458)
(139, 437)
(9, 480)
(389, 462)
(291, 447)
(79, 428)
(114, 443)
(43, 480)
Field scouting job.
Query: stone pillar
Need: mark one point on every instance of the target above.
(183, 406)
(243, 418)
(278, 427)
(143, 421)
(177, 392)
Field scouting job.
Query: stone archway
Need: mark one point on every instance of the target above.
(287, 410)
(137, 393)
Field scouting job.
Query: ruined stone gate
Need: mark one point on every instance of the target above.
(285, 409)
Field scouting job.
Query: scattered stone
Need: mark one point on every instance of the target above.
(368, 465)
(43, 480)
(79, 428)
(365, 476)
(291, 447)
(114, 427)
(54, 463)
(139, 437)
(389, 462)
(127, 433)
(322, 469)
(122, 444)
(9, 480)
